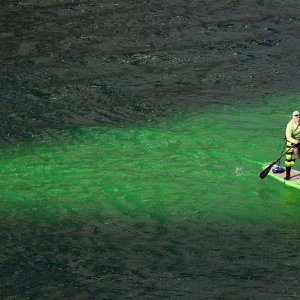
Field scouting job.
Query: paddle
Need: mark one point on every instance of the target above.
(265, 172)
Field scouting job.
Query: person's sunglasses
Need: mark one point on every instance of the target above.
(298, 116)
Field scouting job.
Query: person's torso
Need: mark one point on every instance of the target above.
(295, 130)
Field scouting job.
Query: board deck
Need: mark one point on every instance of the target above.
(294, 181)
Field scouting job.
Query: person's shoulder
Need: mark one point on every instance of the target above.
(290, 124)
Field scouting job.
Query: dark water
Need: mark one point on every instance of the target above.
(125, 212)
(106, 62)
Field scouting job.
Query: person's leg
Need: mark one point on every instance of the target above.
(295, 155)
(289, 162)
(287, 173)
(296, 152)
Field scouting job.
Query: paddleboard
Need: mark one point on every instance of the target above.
(294, 181)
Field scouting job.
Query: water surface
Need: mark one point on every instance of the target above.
(90, 62)
(132, 135)
(166, 209)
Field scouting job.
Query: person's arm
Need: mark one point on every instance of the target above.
(288, 133)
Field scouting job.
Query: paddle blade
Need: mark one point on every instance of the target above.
(266, 171)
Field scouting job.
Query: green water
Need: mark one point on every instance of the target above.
(155, 202)
(161, 170)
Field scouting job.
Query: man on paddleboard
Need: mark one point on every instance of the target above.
(292, 134)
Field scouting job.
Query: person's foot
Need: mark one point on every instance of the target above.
(287, 173)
